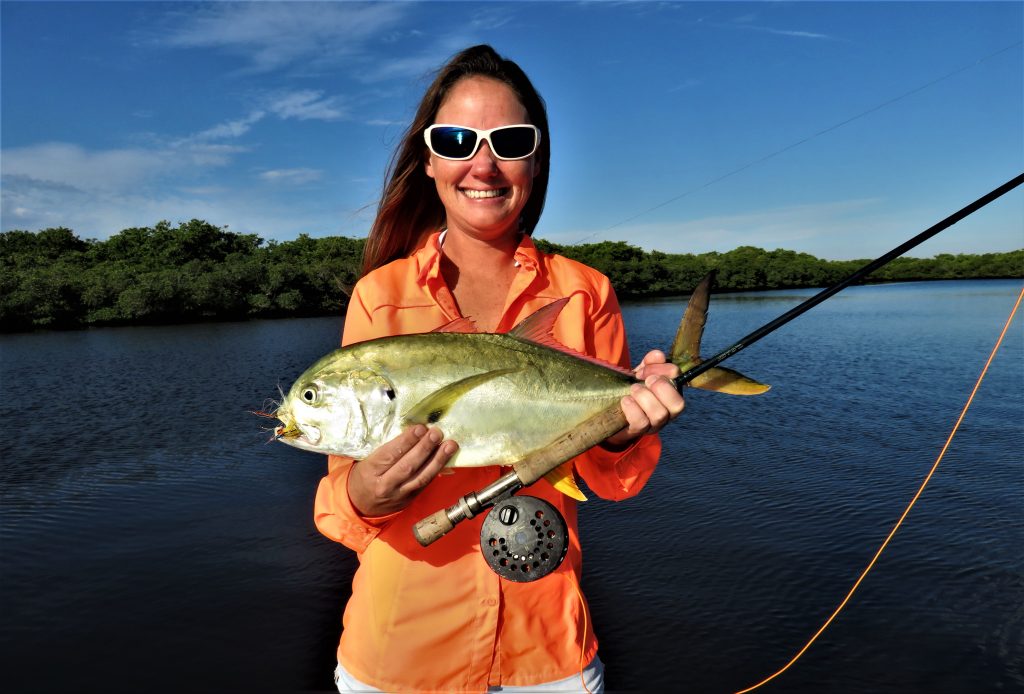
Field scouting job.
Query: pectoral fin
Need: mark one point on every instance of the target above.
(431, 408)
(563, 479)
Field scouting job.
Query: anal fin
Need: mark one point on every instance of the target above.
(563, 479)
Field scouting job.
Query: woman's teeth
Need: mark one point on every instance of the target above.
(481, 194)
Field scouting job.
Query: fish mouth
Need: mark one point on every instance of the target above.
(295, 434)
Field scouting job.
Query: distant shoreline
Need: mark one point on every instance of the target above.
(198, 273)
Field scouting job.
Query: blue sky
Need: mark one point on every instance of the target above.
(280, 118)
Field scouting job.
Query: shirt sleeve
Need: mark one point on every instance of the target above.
(615, 475)
(333, 512)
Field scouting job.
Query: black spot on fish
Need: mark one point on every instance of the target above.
(434, 416)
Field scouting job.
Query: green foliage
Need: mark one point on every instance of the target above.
(190, 272)
(198, 271)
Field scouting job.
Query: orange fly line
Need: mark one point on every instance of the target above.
(913, 501)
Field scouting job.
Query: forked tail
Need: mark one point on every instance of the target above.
(686, 349)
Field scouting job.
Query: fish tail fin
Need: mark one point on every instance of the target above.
(563, 479)
(685, 351)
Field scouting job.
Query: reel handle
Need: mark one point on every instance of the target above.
(433, 527)
(439, 523)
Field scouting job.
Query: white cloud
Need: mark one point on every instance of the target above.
(814, 228)
(307, 104)
(228, 129)
(744, 23)
(275, 35)
(291, 176)
(68, 165)
(790, 32)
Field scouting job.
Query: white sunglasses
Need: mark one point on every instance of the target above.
(460, 142)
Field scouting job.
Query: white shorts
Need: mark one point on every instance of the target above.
(593, 675)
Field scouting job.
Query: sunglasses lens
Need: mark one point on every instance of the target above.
(452, 143)
(515, 142)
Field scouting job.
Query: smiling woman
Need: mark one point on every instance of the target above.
(451, 243)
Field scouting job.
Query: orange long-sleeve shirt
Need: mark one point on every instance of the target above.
(437, 618)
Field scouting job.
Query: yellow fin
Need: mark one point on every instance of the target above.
(686, 346)
(685, 351)
(563, 479)
(434, 406)
(723, 380)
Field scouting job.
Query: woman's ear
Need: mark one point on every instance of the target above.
(428, 165)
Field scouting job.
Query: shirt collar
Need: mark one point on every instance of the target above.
(428, 257)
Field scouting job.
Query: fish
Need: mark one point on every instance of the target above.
(502, 396)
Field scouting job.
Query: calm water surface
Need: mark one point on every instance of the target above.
(152, 540)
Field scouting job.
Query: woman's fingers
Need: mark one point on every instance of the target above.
(429, 470)
(417, 459)
(387, 479)
(654, 363)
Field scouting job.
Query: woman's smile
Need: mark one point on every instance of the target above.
(488, 194)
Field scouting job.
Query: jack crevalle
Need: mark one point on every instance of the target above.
(502, 397)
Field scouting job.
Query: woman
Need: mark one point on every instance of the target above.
(437, 618)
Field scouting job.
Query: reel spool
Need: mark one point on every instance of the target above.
(524, 538)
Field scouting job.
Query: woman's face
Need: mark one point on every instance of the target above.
(482, 196)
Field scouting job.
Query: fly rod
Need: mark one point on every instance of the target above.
(605, 423)
(807, 305)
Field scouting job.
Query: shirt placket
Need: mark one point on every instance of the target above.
(520, 284)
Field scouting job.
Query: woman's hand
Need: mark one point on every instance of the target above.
(387, 480)
(651, 404)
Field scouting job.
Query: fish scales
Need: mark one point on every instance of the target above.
(526, 396)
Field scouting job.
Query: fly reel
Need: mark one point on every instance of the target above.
(524, 538)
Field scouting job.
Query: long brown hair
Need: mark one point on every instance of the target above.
(410, 208)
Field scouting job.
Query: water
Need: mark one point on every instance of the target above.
(152, 540)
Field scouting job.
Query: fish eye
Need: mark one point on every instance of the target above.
(310, 394)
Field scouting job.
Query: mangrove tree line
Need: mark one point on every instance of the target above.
(198, 271)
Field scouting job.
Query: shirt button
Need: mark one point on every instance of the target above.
(490, 602)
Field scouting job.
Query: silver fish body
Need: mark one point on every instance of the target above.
(499, 396)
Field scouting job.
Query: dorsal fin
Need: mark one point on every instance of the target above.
(538, 328)
(459, 325)
(686, 346)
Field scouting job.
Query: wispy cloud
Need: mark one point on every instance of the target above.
(227, 130)
(813, 226)
(58, 165)
(747, 22)
(270, 36)
(291, 176)
(368, 42)
(308, 104)
(793, 32)
(688, 83)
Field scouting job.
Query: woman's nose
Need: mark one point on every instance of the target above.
(484, 162)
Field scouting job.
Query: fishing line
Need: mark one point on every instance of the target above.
(829, 129)
(906, 511)
(583, 641)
